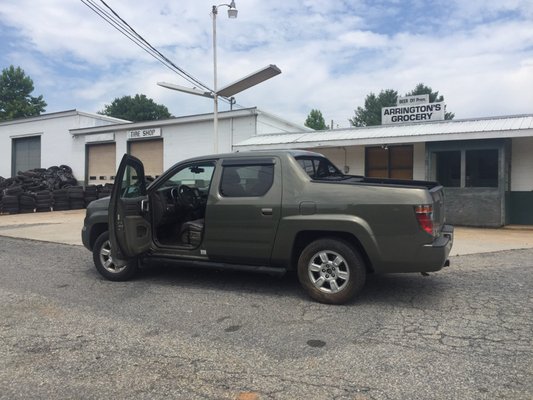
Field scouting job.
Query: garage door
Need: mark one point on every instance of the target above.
(26, 154)
(150, 152)
(102, 163)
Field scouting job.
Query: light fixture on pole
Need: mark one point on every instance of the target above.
(232, 14)
(233, 88)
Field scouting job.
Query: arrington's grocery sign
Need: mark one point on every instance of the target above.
(413, 109)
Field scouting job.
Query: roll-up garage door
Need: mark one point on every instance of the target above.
(102, 163)
(150, 152)
(26, 154)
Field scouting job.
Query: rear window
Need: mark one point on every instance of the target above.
(246, 180)
(319, 167)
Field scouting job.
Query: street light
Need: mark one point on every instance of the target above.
(233, 88)
(232, 14)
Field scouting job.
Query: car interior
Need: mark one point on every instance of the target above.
(178, 206)
(179, 203)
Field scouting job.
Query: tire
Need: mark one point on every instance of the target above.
(104, 263)
(331, 271)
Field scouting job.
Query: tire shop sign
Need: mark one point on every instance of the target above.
(144, 133)
(413, 109)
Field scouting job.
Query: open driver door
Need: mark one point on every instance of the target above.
(130, 230)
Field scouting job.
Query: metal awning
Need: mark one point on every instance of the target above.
(466, 129)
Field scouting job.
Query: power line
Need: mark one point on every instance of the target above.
(117, 22)
(157, 52)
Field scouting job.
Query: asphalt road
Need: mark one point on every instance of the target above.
(463, 333)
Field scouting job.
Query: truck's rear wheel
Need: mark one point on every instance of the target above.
(331, 271)
(105, 264)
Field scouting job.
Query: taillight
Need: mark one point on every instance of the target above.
(424, 216)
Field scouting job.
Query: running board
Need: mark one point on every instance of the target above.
(276, 271)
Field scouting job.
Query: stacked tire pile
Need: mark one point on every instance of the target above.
(35, 190)
(10, 197)
(76, 197)
(91, 194)
(44, 200)
(61, 200)
(43, 189)
(27, 202)
(105, 190)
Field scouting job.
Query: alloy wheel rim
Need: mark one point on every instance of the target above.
(328, 271)
(107, 261)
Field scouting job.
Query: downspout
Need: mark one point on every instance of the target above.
(231, 103)
(346, 167)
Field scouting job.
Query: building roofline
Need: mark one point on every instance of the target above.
(61, 114)
(475, 128)
(444, 121)
(303, 128)
(165, 122)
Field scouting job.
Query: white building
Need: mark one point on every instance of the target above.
(485, 164)
(93, 145)
(45, 140)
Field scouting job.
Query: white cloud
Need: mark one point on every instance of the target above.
(332, 54)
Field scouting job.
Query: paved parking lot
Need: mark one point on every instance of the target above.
(463, 333)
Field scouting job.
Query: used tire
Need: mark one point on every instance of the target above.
(104, 262)
(331, 271)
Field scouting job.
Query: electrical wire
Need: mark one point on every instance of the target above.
(117, 22)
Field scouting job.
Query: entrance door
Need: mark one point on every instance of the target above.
(129, 221)
(150, 152)
(26, 154)
(102, 163)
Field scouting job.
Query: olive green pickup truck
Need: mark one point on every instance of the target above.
(270, 212)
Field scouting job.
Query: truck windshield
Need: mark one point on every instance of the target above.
(319, 168)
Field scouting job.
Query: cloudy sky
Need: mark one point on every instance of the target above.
(477, 53)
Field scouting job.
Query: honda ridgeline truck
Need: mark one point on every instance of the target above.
(270, 212)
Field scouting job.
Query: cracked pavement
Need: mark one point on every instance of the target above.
(465, 332)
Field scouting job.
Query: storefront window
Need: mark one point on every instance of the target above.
(449, 168)
(389, 162)
(482, 168)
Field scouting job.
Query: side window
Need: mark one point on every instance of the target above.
(395, 162)
(481, 168)
(131, 184)
(246, 180)
(448, 171)
(318, 167)
(307, 165)
(197, 176)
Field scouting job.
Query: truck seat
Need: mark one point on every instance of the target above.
(191, 232)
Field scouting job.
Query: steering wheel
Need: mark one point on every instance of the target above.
(186, 196)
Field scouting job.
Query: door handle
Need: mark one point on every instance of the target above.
(266, 211)
(145, 206)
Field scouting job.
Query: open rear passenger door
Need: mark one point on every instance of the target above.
(130, 230)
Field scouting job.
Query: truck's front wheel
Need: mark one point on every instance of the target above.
(105, 264)
(331, 271)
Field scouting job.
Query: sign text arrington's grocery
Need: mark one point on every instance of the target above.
(421, 112)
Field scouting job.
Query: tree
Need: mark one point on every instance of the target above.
(433, 97)
(138, 108)
(371, 113)
(315, 120)
(15, 95)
